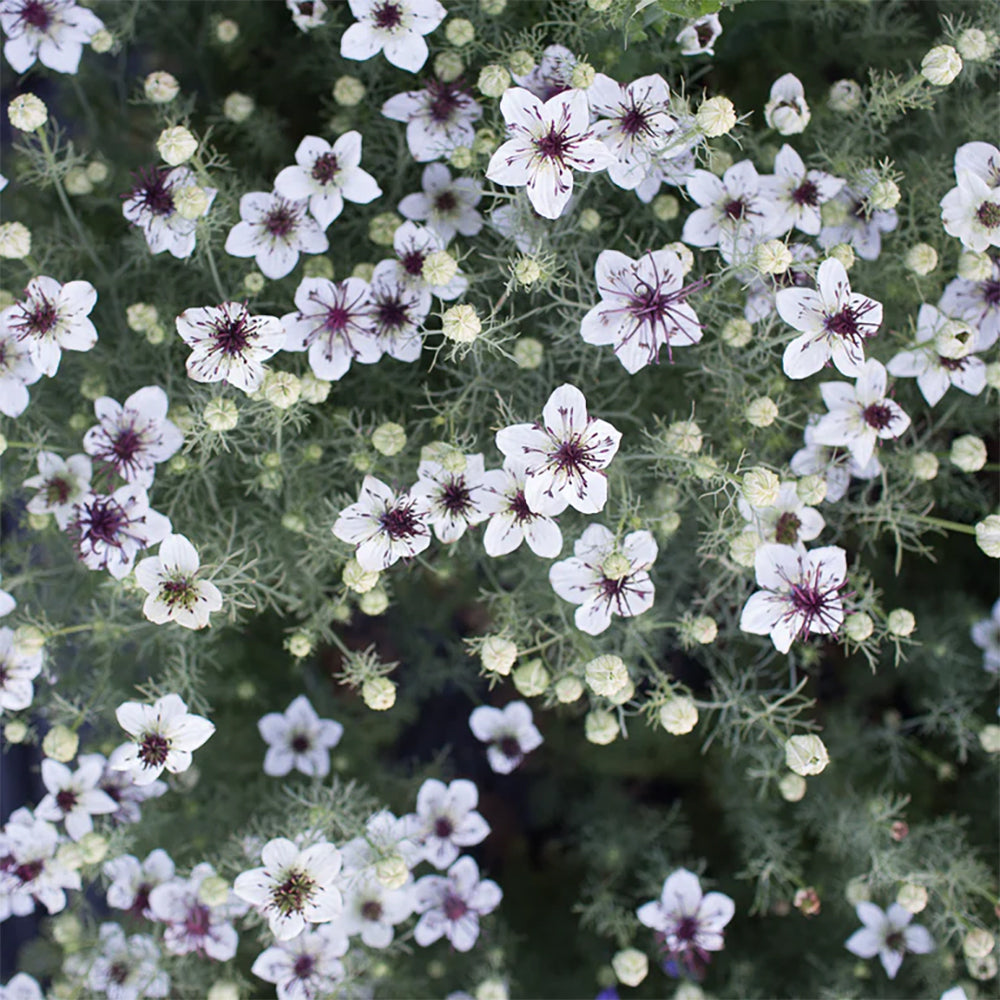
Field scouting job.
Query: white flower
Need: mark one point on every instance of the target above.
(564, 456)
(306, 15)
(372, 910)
(548, 141)
(798, 193)
(699, 37)
(132, 881)
(163, 736)
(126, 968)
(61, 484)
(228, 344)
(889, 935)
(643, 307)
(110, 531)
(326, 175)
(689, 922)
(274, 231)
(308, 966)
(509, 732)
(634, 123)
(152, 206)
(835, 322)
(127, 794)
(295, 887)
(934, 372)
(971, 212)
(334, 324)
(941, 65)
(447, 206)
(18, 668)
(17, 370)
(985, 633)
(73, 797)
(800, 594)
(21, 986)
(51, 31)
(450, 906)
(453, 500)
(977, 302)
(133, 437)
(511, 520)
(175, 593)
(862, 225)
(398, 310)
(192, 924)
(860, 415)
(832, 464)
(606, 579)
(384, 526)
(394, 27)
(446, 820)
(787, 521)
(439, 119)
(736, 212)
(300, 739)
(50, 319)
(787, 112)
(31, 871)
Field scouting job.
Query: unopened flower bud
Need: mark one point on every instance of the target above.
(911, 897)
(528, 353)
(389, 439)
(161, 87)
(223, 989)
(772, 257)
(439, 268)
(61, 744)
(843, 252)
(716, 116)
(811, 489)
(27, 112)
(176, 145)
(374, 603)
(884, 195)
(921, 259)
(392, 871)
(737, 332)
(683, 437)
(606, 674)
(77, 182)
(191, 202)
(975, 266)
(227, 31)
(281, 389)
(988, 535)
(792, 787)
(493, 80)
(900, 622)
(140, 316)
(221, 415)
(968, 453)
(954, 339)
(568, 689)
(761, 412)
(348, 91)
(941, 65)
(214, 891)
(379, 693)
(521, 62)
(631, 966)
(589, 220)
(761, 487)
(678, 715)
(93, 847)
(978, 943)
(527, 271)
(461, 324)
(460, 157)
(666, 207)
(238, 107)
(15, 731)
(66, 930)
(924, 466)
(498, 654)
(101, 41)
(845, 96)
(989, 738)
(15, 241)
(806, 755)
(683, 253)
(974, 45)
(29, 640)
(314, 390)
(858, 627)
(358, 579)
(299, 645)
(582, 76)
(743, 548)
(531, 679)
(600, 727)
(449, 65)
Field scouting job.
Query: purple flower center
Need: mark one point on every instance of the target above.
(991, 292)
(736, 209)
(291, 896)
(509, 746)
(814, 601)
(878, 415)
(38, 318)
(520, 509)
(57, 491)
(413, 262)
(786, 531)
(704, 34)
(400, 521)
(231, 333)
(806, 194)
(391, 313)
(455, 497)
(454, 907)
(154, 193)
(303, 966)
(178, 592)
(126, 445)
(635, 121)
(35, 14)
(570, 456)
(153, 749)
(371, 909)
(29, 871)
(988, 214)
(687, 930)
(846, 323)
(445, 202)
(443, 827)
(445, 100)
(337, 319)
(325, 168)
(387, 16)
(280, 221)
(118, 973)
(197, 921)
(300, 743)
(66, 799)
(553, 145)
(106, 520)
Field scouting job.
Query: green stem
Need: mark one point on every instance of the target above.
(939, 522)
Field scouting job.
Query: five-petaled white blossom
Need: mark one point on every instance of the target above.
(451, 905)
(393, 27)
(564, 456)
(152, 207)
(509, 734)
(888, 934)
(798, 193)
(307, 966)
(73, 796)
(61, 484)
(18, 668)
(397, 310)
(17, 371)
(50, 31)
(454, 499)
(439, 118)
(512, 521)
(298, 738)
(170, 578)
(799, 595)
(446, 820)
(606, 578)
(447, 205)
(548, 141)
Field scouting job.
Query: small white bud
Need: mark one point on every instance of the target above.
(582, 76)
(975, 266)
(988, 535)
(97, 171)
(357, 579)
(743, 548)
(227, 31)
(459, 31)
(531, 679)
(978, 943)
(15, 241)
(392, 872)
(160, 87)
(761, 487)
(498, 654)
(900, 622)
(238, 107)
(974, 45)
(389, 439)
(921, 259)
(737, 332)
(101, 41)
(968, 453)
(77, 182)
(61, 744)
(379, 693)
(281, 389)
(314, 389)
(924, 466)
(492, 989)
(93, 847)
(568, 689)
(666, 207)
(845, 96)
(858, 627)
(989, 738)
(176, 145)
(806, 755)
(912, 897)
(678, 715)
(683, 437)
(606, 674)
(374, 603)
(27, 112)
(493, 80)
(221, 415)
(214, 891)
(941, 65)
(704, 630)
(716, 116)
(631, 966)
(461, 324)
(811, 489)
(792, 787)
(761, 412)
(15, 731)
(449, 65)
(299, 645)
(348, 91)
(601, 727)
(772, 257)
(884, 195)
(590, 220)
(528, 353)
(521, 62)
(843, 252)
(223, 989)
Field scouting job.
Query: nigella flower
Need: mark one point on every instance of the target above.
(394, 27)
(174, 591)
(274, 231)
(413, 245)
(688, 922)
(326, 175)
(564, 456)
(397, 310)
(51, 31)
(786, 111)
(509, 733)
(18, 668)
(384, 526)
(862, 226)
(50, 319)
(888, 934)
(835, 465)
(132, 881)
(643, 307)
(447, 206)
(334, 324)
(835, 322)
(699, 37)
(439, 118)
(372, 910)
(787, 521)
(306, 14)
(453, 498)
(634, 123)
(451, 905)
(799, 595)
(306, 967)
(110, 531)
(977, 302)
(74, 797)
(298, 738)
(228, 344)
(606, 578)
(163, 736)
(936, 373)
(125, 968)
(295, 887)
(446, 820)
(133, 438)
(860, 415)
(150, 206)
(61, 484)
(548, 142)
(17, 371)
(511, 520)
(798, 193)
(970, 211)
